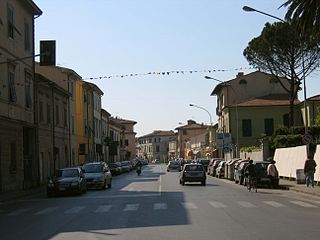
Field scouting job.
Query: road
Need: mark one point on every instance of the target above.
(155, 206)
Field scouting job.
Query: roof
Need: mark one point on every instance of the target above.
(159, 133)
(269, 100)
(314, 98)
(123, 121)
(226, 83)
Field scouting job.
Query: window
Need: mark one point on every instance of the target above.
(285, 119)
(28, 99)
(40, 111)
(11, 83)
(26, 36)
(246, 128)
(48, 114)
(126, 142)
(57, 115)
(72, 124)
(184, 131)
(71, 89)
(157, 148)
(13, 160)
(10, 22)
(65, 117)
(268, 126)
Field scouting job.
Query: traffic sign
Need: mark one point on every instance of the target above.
(307, 138)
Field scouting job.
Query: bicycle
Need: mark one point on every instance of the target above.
(252, 184)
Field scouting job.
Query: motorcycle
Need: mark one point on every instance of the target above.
(138, 171)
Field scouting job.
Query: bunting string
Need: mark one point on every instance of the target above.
(169, 73)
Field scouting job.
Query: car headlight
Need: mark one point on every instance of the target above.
(50, 183)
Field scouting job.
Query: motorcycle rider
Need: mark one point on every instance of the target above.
(138, 167)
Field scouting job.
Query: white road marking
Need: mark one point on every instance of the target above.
(189, 205)
(75, 210)
(217, 204)
(46, 211)
(246, 204)
(274, 204)
(103, 209)
(18, 212)
(303, 204)
(131, 207)
(160, 206)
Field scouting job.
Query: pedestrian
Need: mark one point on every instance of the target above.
(309, 170)
(273, 174)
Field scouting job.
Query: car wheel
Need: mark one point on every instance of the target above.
(203, 183)
(109, 185)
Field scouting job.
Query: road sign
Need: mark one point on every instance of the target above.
(307, 138)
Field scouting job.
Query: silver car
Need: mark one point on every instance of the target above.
(97, 175)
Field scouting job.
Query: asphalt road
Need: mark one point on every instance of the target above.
(155, 206)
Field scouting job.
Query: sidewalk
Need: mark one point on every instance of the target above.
(302, 188)
(20, 194)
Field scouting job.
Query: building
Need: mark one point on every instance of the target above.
(105, 137)
(116, 136)
(65, 78)
(52, 119)
(155, 145)
(129, 142)
(185, 132)
(251, 106)
(18, 150)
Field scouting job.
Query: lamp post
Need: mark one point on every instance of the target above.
(210, 117)
(237, 115)
(250, 9)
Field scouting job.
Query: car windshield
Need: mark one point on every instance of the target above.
(204, 161)
(92, 168)
(194, 168)
(173, 163)
(67, 173)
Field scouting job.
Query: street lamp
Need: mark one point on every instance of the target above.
(210, 117)
(193, 105)
(250, 9)
(237, 115)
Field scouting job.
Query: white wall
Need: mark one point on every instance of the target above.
(288, 160)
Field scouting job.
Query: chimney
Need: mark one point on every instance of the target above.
(240, 74)
(191, 122)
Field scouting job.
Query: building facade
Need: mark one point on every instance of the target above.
(52, 119)
(18, 158)
(251, 106)
(155, 145)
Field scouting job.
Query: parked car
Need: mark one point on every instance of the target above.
(214, 167)
(220, 169)
(239, 171)
(262, 177)
(67, 180)
(205, 162)
(97, 175)
(115, 169)
(125, 166)
(193, 172)
(173, 166)
(211, 165)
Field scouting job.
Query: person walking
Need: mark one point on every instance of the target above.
(309, 170)
(273, 174)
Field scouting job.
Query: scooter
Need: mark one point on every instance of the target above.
(138, 171)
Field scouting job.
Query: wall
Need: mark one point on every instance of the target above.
(288, 160)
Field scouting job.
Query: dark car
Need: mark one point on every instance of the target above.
(114, 169)
(67, 180)
(193, 172)
(262, 176)
(97, 175)
(205, 163)
(173, 166)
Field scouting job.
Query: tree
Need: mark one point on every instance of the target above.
(306, 13)
(287, 55)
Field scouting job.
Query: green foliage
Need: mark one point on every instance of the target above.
(292, 140)
(249, 149)
(281, 130)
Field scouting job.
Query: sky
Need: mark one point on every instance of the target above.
(150, 57)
